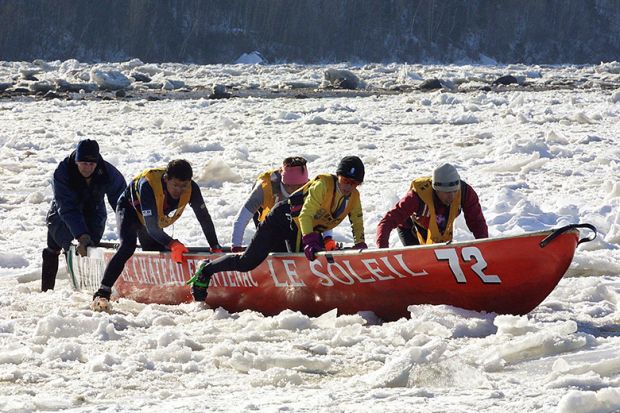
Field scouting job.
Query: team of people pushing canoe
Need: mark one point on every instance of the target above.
(292, 212)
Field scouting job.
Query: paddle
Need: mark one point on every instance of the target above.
(114, 245)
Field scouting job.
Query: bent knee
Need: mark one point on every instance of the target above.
(125, 251)
(50, 252)
(248, 264)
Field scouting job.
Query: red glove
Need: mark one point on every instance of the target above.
(360, 246)
(312, 244)
(177, 250)
(237, 248)
(330, 244)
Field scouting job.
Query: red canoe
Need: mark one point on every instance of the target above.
(507, 275)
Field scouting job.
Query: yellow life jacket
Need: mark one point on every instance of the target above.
(424, 188)
(154, 178)
(264, 180)
(322, 219)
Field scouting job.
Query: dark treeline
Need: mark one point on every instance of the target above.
(312, 31)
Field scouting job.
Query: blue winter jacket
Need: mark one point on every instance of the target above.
(76, 202)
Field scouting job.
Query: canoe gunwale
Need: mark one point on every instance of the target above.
(550, 235)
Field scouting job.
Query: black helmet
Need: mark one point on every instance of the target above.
(351, 167)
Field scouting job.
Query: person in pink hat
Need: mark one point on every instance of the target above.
(300, 223)
(271, 187)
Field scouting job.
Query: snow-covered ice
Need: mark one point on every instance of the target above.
(538, 159)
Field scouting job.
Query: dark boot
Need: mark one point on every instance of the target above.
(101, 299)
(200, 282)
(104, 292)
(49, 269)
(199, 293)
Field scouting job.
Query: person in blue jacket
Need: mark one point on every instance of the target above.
(78, 211)
(154, 200)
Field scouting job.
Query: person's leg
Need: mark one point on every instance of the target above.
(293, 241)
(128, 226)
(147, 243)
(254, 254)
(407, 234)
(49, 268)
(256, 216)
(280, 246)
(58, 238)
(269, 235)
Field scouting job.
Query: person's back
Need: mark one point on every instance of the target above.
(271, 187)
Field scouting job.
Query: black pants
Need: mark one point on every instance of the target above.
(130, 229)
(276, 228)
(282, 246)
(59, 238)
(408, 233)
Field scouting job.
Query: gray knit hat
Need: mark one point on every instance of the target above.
(446, 178)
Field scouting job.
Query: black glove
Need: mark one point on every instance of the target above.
(83, 243)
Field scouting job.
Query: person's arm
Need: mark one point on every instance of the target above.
(148, 208)
(116, 186)
(68, 202)
(396, 217)
(204, 218)
(356, 216)
(312, 204)
(474, 218)
(245, 215)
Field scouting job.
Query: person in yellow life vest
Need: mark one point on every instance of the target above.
(152, 201)
(318, 206)
(271, 187)
(426, 214)
(326, 201)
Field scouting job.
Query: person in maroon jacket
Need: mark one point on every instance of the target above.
(426, 214)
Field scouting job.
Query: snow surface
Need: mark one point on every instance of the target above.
(538, 160)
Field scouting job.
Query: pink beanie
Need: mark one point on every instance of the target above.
(294, 175)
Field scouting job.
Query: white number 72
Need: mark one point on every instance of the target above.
(468, 254)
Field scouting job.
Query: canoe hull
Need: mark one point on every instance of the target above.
(509, 275)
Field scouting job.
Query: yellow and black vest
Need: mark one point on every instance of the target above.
(154, 178)
(323, 218)
(265, 182)
(424, 189)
